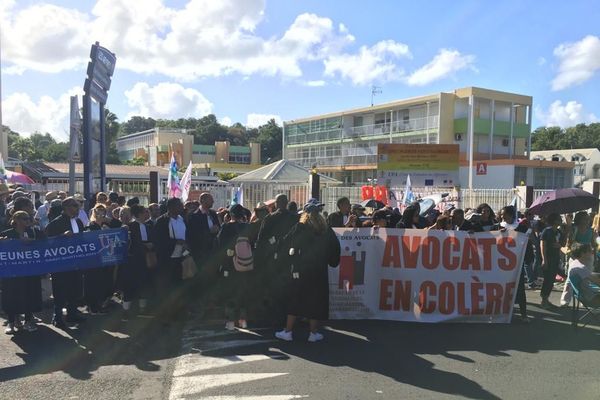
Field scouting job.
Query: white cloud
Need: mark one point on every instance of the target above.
(569, 114)
(43, 37)
(167, 100)
(25, 115)
(256, 120)
(315, 83)
(369, 64)
(225, 121)
(541, 61)
(579, 61)
(445, 63)
(202, 38)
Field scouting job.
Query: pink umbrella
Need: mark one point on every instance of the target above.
(17, 177)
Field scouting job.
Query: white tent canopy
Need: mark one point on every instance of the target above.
(283, 171)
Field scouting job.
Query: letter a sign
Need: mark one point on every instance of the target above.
(481, 168)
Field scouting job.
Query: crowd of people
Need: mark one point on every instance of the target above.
(269, 264)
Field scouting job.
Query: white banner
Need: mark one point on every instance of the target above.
(426, 275)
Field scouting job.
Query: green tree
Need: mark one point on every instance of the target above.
(270, 138)
(576, 137)
(12, 137)
(23, 148)
(136, 161)
(137, 124)
(57, 152)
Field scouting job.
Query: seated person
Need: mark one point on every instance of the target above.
(590, 283)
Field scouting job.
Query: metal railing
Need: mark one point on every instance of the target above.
(399, 126)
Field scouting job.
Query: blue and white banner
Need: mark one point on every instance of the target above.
(81, 251)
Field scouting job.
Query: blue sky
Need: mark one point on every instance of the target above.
(248, 60)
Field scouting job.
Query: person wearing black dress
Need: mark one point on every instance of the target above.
(21, 295)
(98, 282)
(66, 286)
(309, 248)
(233, 285)
(135, 272)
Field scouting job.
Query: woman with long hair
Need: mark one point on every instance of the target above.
(410, 218)
(310, 247)
(21, 295)
(487, 220)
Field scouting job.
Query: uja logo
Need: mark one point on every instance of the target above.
(109, 242)
(352, 269)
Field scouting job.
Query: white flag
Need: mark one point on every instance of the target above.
(186, 182)
(3, 174)
(409, 197)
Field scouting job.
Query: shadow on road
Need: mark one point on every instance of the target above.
(100, 341)
(395, 349)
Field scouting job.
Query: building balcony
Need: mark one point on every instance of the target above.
(483, 126)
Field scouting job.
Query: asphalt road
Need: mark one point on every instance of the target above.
(358, 360)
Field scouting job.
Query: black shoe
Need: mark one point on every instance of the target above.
(59, 323)
(75, 319)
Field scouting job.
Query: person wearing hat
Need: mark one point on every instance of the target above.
(66, 286)
(309, 249)
(41, 216)
(21, 295)
(273, 229)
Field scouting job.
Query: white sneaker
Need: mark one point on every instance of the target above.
(230, 325)
(242, 323)
(284, 335)
(10, 329)
(315, 337)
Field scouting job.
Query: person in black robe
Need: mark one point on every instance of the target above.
(233, 287)
(21, 295)
(66, 286)
(344, 216)
(98, 282)
(135, 272)
(168, 236)
(309, 249)
(271, 271)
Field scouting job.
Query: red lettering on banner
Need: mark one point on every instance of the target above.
(410, 250)
(493, 295)
(508, 297)
(470, 257)
(446, 298)
(391, 253)
(510, 262)
(462, 305)
(384, 294)
(451, 244)
(486, 245)
(427, 306)
(402, 295)
(431, 252)
(476, 298)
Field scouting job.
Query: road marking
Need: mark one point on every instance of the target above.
(193, 363)
(184, 386)
(284, 397)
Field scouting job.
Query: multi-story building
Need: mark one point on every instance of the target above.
(586, 162)
(490, 127)
(156, 145)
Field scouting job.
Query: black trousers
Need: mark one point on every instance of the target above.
(549, 271)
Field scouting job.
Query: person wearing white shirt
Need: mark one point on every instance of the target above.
(41, 216)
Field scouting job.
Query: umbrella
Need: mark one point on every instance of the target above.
(376, 204)
(563, 201)
(17, 177)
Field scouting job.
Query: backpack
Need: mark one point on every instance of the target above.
(243, 261)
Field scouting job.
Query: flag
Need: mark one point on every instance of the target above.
(173, 187)
(186, 182)
(237, 195)
(3, 176)
(409, 197)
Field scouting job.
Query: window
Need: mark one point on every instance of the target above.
(520, 175)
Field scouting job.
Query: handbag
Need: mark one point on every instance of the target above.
(188, 268)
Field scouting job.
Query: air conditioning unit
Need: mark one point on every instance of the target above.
(458, 137)
(505, 142)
